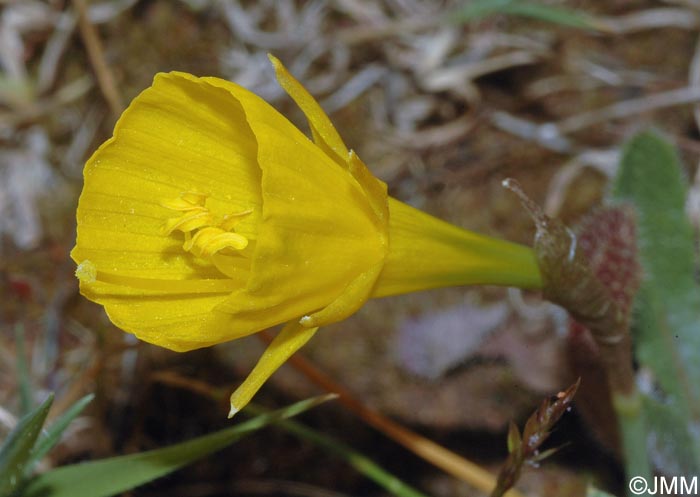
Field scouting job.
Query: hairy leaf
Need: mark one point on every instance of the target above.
(666, 329)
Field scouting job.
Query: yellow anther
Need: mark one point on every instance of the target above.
(186, 202)
(194, 242)
(231, 220)
(194, 198)
(188, 222)
(204, 234)
(211, 240)
(222, 241)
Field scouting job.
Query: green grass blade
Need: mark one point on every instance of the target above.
(25, 383)
(115, 475)
(479, 9)
(16, 449)
(360, 462)
(52, 435)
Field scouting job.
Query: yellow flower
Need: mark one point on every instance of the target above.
(208, 216)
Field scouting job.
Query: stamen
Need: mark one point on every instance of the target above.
(190, 239)
(205, 236)
(221, 241)
(210, 240)
(188, 222)
(187, 201)
(231, 220)
(194, 198)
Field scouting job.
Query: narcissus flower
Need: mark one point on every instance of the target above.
(208, 216)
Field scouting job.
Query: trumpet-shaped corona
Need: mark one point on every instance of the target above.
(208, 216)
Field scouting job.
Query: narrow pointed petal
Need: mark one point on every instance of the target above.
(292, 337)
(375, 190)
(322, 129)
(350, 300)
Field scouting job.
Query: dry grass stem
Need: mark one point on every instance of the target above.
(652, 19)
(435, 454)
(603, 161)
(93, 45)
(629, 108)
(366, 34)
(546, 135)
(65, 95)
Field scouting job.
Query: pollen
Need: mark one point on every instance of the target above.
(205, 233)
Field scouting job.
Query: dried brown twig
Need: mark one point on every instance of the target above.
(93, 45)
(525, 449)
(435, 454)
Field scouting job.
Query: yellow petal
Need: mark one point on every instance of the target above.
(179, 135)
(209, 216)
(186, 139)
(426, 252)
(375, 192)
(354, 295)
(319, 233)
(208, 150)
(322, 129)
(321, 226)
(292, 337)
(179, 322)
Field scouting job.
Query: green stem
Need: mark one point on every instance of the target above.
(633, 427)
